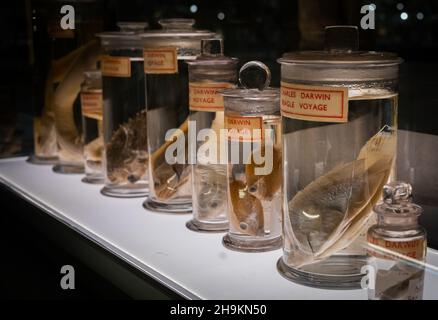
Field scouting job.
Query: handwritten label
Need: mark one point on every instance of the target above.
(160, 60)
(91, 104)
(313, 103)
(116, 66)
(244, 129)
(204, 96)
(415, 249)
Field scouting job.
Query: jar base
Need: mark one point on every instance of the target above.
(34, 159)
(68, 169)
(139, 191)
(155, 206)
(336, 273)
(93, 180)
(197, 226)
(251, 245)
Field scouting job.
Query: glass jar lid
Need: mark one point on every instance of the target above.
(212, 54)
(397, 208)
(177, 29)
(341, 48)
(254, 79)
(341, 58)
(254, 97)
(212, 62)
(397, 201)
(127, 37)
(340, 61)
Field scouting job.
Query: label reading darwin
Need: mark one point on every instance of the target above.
(116, 66)
(314, 103)
(91, 103)
(244, 129)
(204, 96)
(160, 60)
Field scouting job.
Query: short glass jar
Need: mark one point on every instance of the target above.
(254, 171)
(397, 247)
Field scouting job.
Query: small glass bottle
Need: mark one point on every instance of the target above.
(208, 74)
(254, 171)
(92, 126)
(397, 246)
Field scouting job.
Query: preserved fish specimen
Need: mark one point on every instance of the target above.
(46, 149)
(68, 129)
(330, 212)
(254, 177)
(126, 151)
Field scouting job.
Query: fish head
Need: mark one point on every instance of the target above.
(251, 225)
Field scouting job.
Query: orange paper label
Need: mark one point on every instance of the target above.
(116, 66)
(415, 249)
(204, 96)
(160, 60)
(91, 103)
(312, 103)
(245, 129)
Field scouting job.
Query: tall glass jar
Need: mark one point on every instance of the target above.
(253, 123)
(339, 116)
(166, 52)
(124, 116)
(208, 74)
(92, 126)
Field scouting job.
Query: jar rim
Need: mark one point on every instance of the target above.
(346, 58)
(268, 94)
(212, 61)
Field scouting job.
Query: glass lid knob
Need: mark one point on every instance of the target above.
(397, 192)
(212, 47)
(254, 75)
(177, 24)
(136, 27)
(341, 38)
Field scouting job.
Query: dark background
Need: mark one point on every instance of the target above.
(253, 30)
(261, 30)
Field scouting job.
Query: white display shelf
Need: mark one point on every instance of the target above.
(194, 265)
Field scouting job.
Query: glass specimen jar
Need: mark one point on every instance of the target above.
(166, 52)
(254, 174)
(395, 243)
(208, 74)
(124, 114)
(339, 117)
(92, 126)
